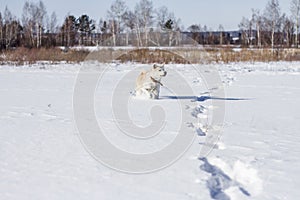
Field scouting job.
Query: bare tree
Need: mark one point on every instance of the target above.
(257, 20)
(272, 19)
(8, 29)
(40, 23)
(288, 29)
(11, 29)
(28, 24)
(221, 30)
(144, 19)
(33, 19)
(116, 15)
(177, 27)
(1, 32)
(49, 40)
(103, 26)
(129, 20)
(53, 23)
(167, 22)
(162, 15)
(295, 10)
(246, 28)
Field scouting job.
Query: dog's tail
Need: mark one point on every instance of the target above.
(143, 72)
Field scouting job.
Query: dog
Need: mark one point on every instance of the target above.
(148, 82)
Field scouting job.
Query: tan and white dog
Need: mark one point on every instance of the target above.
(148, 82)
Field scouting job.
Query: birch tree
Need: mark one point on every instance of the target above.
(144, 20)
(1, 32)
(11, 29)
(257, 21)
(221, 30)
(246, 28)
(167, 22)
(129, 20)
(53, 23)
(272, 19)
(115, 15)
(8, 29)
(288, 29)
(295, 10)
(33, 19)
(40, 21)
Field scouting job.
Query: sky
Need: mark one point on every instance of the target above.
(211, 13)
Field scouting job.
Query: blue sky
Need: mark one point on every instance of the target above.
(205, 12)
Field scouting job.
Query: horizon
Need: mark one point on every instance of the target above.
(229, 13)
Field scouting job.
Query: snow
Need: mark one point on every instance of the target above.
(97, 48)
(257, 157)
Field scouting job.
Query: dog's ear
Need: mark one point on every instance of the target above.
(155, 66)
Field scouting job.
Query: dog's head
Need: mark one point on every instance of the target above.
(158, 71)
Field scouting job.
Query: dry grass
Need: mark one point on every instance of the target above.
(22, 56)
(255, 55)
(209, 55)
(152, 56)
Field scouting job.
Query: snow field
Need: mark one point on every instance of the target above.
(255, 158)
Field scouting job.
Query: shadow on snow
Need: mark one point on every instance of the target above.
(219, 181)
(203, 98)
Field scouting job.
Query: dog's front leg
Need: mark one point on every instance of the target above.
(155, 92)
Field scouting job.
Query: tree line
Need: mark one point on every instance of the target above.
(145, 25)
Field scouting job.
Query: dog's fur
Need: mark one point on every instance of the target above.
(148, 82)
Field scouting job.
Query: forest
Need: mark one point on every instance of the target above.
(143, 26)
